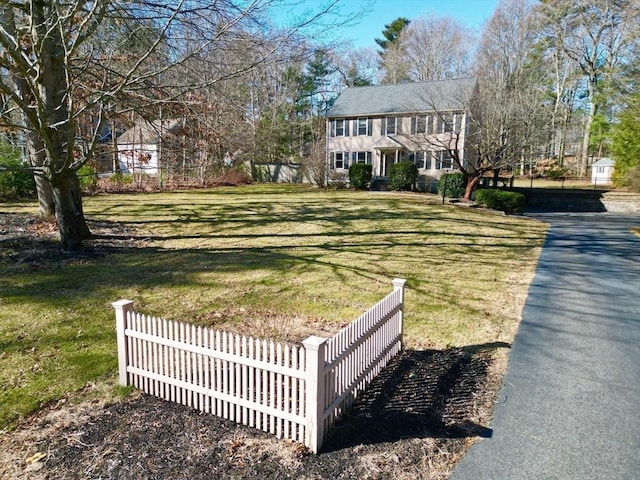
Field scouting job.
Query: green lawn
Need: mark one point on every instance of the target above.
(281, 261)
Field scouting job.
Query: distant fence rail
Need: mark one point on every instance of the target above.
(294, 392)
(562, 182)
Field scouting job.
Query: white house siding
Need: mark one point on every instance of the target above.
(602, 171)
(601, 175)
(138, 158)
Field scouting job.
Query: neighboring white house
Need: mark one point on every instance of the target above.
(385, 124)
(602, 171)
(140, 147)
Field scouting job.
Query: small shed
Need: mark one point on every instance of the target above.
(602, 171)
(139, 148)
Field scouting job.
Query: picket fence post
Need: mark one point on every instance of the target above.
(315, 348)
(398, 284)
(122, 308)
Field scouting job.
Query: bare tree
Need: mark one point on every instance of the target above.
(501, 123)
(444, 125)
(62, 72)
(356, 68)
(509, 104)
(437, 48)
(594, 34)
(564, 87)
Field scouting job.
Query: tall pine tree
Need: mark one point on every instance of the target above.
(391, 57)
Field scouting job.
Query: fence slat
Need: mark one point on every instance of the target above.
(259, 388)
(245, 381)
(252, 373)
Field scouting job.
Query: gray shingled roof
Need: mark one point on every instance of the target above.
(441, 95)
(605, 162)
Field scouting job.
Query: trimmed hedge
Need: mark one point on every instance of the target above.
(403, 176)
(453, 184)
(360, 175)
(508, 202)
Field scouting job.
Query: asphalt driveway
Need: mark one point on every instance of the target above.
(570, 404)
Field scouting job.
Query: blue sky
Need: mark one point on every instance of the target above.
(377, 13)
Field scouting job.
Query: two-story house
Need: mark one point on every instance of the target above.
(380, 125)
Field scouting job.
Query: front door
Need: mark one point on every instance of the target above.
(388, 159)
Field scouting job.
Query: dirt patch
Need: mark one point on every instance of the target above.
(35, 242)
(415, 422)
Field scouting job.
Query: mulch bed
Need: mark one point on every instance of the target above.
(414, 422)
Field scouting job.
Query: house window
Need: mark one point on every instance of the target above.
(600, 170)
(389, 126)
(447, 123)
(339, 161)
(419, 124)
(339, 128)
(421, 159)
(361, 157)
(443, 160)
(363, 126)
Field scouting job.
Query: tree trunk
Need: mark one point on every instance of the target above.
(496, 177)
(45, 197)
(68, 205)
(564, 126)
(586, 138)
(114, 148)
(472, 183)
(37, 158)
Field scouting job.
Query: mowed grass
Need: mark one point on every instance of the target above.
(281, 261)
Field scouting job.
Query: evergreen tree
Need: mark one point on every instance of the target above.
(626, 146)
(391, 56)
(391, 33)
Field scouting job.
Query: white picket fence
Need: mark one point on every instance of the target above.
(294, 392)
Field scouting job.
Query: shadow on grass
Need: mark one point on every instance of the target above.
(133, 261)
(430, 393)
(220, 218)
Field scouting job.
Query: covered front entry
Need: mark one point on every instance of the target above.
(388, 158)
(390, 151)
(382, 168)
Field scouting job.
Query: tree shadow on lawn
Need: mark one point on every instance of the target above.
(430, 393)
(219, 217)
(130, 261)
